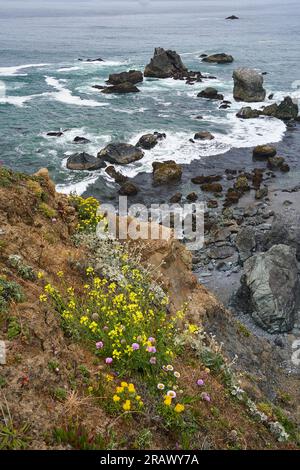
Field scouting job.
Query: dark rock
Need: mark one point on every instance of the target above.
(232, 197)
(166, 172)
(81, 140)
(116, 175)
(206, 179)
(272, 282)
(248, 113)
(120, 153)
(124, 87)
(257, 177)
(219, 58)
(211, 94)
(203, 55)
(192, 197)
(99, 87)
(221, 252)
(248, 85)
(263, 152)
(148, 141)
(232, 17)
(84, 161)
(93, 60)
(176, 198)
(242, 184)
(285, 230)
(276, 163)
(203, 135)
(133, 76)
(164, 64)
(271, 96)
(55, 134)
(287, 109)
(245, 242)
(212, 204)
(128, 189)
(212, 187)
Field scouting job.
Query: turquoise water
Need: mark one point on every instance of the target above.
(56, 93)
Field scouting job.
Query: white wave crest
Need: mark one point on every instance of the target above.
(64, 95)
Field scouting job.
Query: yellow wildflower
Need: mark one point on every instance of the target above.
(127, 405)
(60, 274)
(179, 408)
(131, 388)
(43, 298)
(40, 275)
(109, 377)
(116, 398)
(119, 389)
(167, 400)
(124, 384)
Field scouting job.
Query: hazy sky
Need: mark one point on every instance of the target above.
(81, 7)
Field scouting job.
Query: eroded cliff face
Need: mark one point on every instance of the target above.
(44, 382)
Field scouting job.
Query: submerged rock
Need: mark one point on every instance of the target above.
(218, 58)
(212, 187)
(166, 172)
(120, 153)
(248, 85)
(124, 87)
(55, 134)
(164, 64)
(278, 163)
(206, 179)
(211, 94)
(271, 282)
(84, 161)
(81, 140)
(133, 76)
(232, 17)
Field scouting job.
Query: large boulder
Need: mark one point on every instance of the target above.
(248, 85)
(84, 161)
(246, 243)
(164, 64)
(133, 76)
(218, 58)
(116, 175)
(285, 230)
(203, 135)
(122, 88)
(128, 189)
(270, 283)
(166, 172)
(122, 154)
(248, 113)
(287, 109)
(211, 94)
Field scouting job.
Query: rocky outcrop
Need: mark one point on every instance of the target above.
(116, 175)
(84, 161)
(248, 85)
(133, 76)
(278, 163)
(211, 94)
(164, 64)
(148, 141)
(55, 134)
(248, 113)
(287, 110)
(166, 172)
(218, 58)
(271, 282)
(246, 243)
(122, 88)
(81, 140)
(285, 230)
(122, 154)
(232, 17)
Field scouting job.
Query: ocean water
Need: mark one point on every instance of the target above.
(43, 86)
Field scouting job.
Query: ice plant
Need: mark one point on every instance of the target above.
(200, 382)
(108, 360)
(135, 346)
(99, 345)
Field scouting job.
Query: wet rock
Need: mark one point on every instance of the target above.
(164, 64)
(99, 87)
(148, 141)
(120, 153)
(219, 58)
(122, 88)
(55, 134)
(92, 60)
(271, 279)
(246, 243)
(285, 230)
(212, 187)
(192, 197)
(232, 17)
(116, 175)
(166, 172)
(211, 94)
(84, 161)
(278, 163)
(206, 179)
(81, 140)
(128, 189)
(176, 198)
(248, 113)
(248, 85)
(263, 152)
(203, 135)
(133, 76)
(257, 177)
(232, 197)
(212, 204)
(271, 96)
(287, 109)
